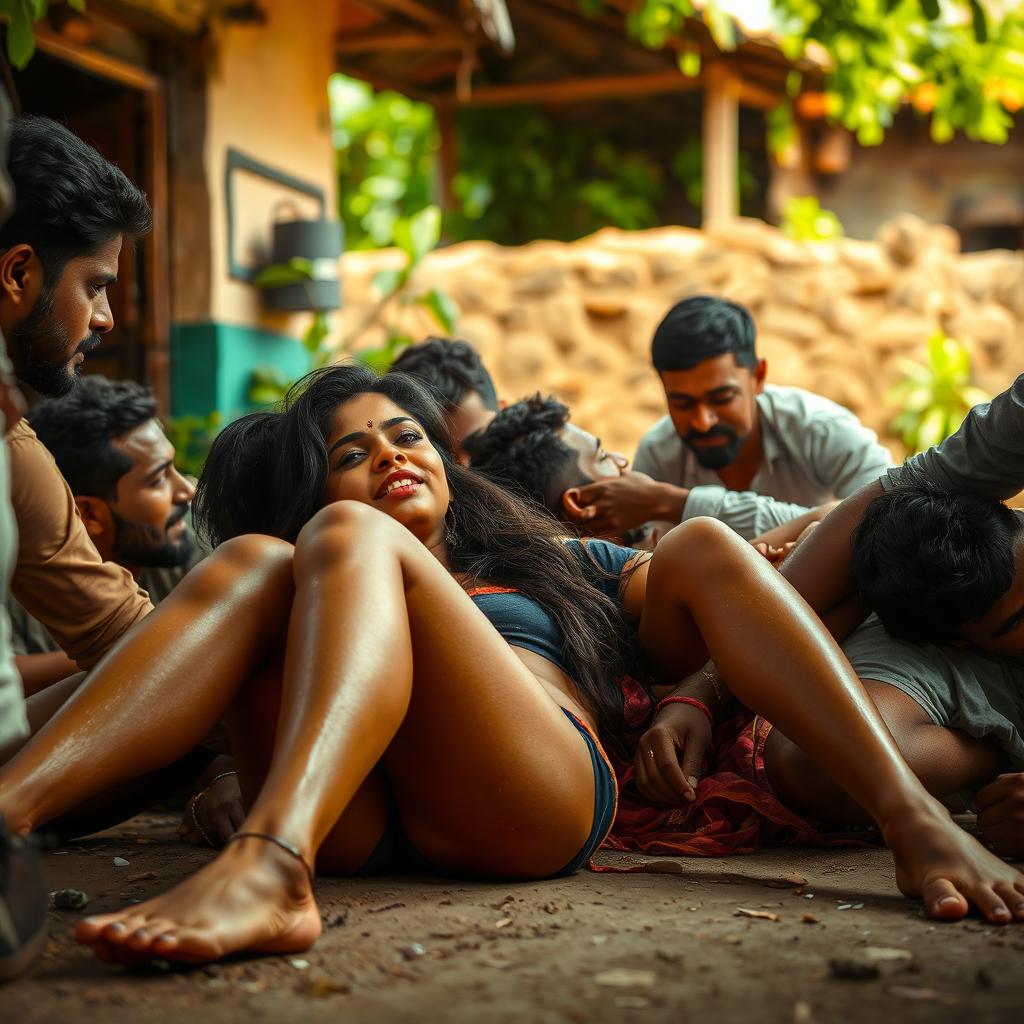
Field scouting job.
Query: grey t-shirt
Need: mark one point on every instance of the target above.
(958, 687)
(964, 688)
(814, 451)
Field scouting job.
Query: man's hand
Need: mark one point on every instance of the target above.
(775, 555)
(218, 811)
(670, 755)
(1000, 807)
(620, 503)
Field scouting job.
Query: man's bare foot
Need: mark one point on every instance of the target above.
(951, 871)
(252, 898)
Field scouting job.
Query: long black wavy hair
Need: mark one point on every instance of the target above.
(266, 473)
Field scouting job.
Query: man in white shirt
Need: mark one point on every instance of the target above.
(733, 447)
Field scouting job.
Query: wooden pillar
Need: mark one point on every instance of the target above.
(721, 144)
(448, 162)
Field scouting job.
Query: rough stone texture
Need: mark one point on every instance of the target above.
(837, 318)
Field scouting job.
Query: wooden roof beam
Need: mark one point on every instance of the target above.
(579, 90)
(379, 41)
(418, 12)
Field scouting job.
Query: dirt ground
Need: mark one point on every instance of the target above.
(657, 946)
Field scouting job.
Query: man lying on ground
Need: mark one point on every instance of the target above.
(751, 454)
(458, 379)
(112, 451)
(532, 447)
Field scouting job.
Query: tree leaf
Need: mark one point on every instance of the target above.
(296, 271)
(720, 25)
(21, 42)
(932, 429)
(441, 307)
(387, 282)
(931, 9)
(979, 21)
(419, 233)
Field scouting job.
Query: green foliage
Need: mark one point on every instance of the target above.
(192, 437)
(21, 15)
(416, 236)
(935, 397)
(960, 62)
(688, 169)
(386, 155)
(804, 219)
(524, 176)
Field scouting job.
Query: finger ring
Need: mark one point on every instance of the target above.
(650, 754)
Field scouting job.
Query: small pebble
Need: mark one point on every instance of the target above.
(413, 951)
(69, 899)
(120, 862)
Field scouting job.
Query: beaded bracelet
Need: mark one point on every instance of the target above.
(692, 701)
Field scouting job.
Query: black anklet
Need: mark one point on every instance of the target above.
(277, 841)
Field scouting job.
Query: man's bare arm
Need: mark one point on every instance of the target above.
(821, 566)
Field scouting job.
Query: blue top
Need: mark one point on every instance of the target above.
(523, 622)
(612, 558)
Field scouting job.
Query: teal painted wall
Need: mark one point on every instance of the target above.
(211, 366)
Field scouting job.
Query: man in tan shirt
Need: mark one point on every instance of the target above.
(58, 254)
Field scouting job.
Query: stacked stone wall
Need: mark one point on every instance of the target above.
(837, 318)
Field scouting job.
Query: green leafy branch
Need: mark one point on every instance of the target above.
(958, 62)
(415, 236)
(934, 397)
(21, 16)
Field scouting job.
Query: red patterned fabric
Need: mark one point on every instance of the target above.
(735, 810)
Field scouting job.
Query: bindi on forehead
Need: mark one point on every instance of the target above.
(369, 424)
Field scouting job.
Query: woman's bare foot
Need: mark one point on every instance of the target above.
(951, 871)
(253, 898)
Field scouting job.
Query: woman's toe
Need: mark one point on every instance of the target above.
(115, 932)
(90, 929)
(943, 900)
(166, 942)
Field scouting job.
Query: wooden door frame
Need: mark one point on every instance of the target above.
(156, 320)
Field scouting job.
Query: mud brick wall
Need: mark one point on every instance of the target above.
(833, 317)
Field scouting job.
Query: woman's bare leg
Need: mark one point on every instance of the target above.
(155, 696)
(708, 592)
(384, 651)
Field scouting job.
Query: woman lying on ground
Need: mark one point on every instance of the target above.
(394, 708)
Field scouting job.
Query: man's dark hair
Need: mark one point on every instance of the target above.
(70, 200)
(452, 369)
(522, 449)
(928, 560)
(701, 328)
(78, 429)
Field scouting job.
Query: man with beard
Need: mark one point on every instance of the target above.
(752, 454)
(111, 449)
(58, 254)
